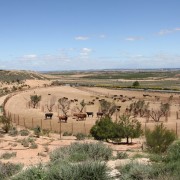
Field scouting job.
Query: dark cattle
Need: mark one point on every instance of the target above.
(48, 115)
(89, 114)
(64, 118)
(81, 116)
(76, 100)
(100, 114)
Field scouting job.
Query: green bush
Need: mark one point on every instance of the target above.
(173, 152)
(8, 155)
(136, 171)
(37, 131)
(9, 169)
(80, 136)
(82, 151)
(81, 171)
(159, 139)
(67, 133)
(13, 131)
(24, 132)
(121, 155)
(36, 172)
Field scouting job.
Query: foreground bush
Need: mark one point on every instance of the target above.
(77, 152)
(9, 169)
(81, 171)
(159, 139)
(173, 152)
(36, 172)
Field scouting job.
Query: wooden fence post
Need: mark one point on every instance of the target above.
(32, 123)
(72, 128)
(176, 129)
(18, 119)
(50, 125)
(41, 124)
(60, 128)
(84, 128)
(24, 122)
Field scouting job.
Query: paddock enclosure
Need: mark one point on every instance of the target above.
(18, 107)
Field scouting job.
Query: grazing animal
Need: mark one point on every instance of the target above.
(81, 116)
(89, 114)
(64, 118)
(48, 115)
(100, 114)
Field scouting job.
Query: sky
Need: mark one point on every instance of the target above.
(52, 35)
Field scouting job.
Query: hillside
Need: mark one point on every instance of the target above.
(14, 75)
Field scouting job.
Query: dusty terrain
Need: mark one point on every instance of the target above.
(24, 115)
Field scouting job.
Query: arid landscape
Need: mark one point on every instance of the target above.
(58, 133)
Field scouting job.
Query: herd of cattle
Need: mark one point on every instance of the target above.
(79, 116)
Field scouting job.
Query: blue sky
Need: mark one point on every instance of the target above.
(89, 34)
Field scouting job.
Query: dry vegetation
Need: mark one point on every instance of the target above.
(22, 114)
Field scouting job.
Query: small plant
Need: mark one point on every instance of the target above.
(25, 143)
(37, 131)
(24, 132)
(13, 131)
(121, 155)
(6, 121)
(46, 132)
(9, 169)
(67, 133)
(80, 136)
(33, 145)
(8, 155)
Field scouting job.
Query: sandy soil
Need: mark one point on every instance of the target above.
(18, 108)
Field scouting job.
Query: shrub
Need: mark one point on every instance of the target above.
(9, 169)
(81, 171)
(37, 131)
(46, 132)
(159, 139)
(24, 132)
(82, 151)
(121, 155)
(36, 172)
(173, 152)
(13, 131)
(6, 121)
(8, 155)
(136, 171)
(33, 145)
(67, 133)
(80, 136)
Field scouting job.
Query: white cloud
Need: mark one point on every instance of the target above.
(30, 56)
(134, 38)
(81, 38)
(168, 31)
(85, 52)
(102, 36)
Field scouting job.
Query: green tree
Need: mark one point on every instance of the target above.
(129, 127)
(6, 121)
(159, 139)
(35, 99)
(104, 129)
(135, 84)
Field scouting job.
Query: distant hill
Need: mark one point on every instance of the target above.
(15, 75)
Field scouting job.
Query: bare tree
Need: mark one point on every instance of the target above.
(107, 108)
(64, 105)
(82, 106)
(50, 103)
(161, 112)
